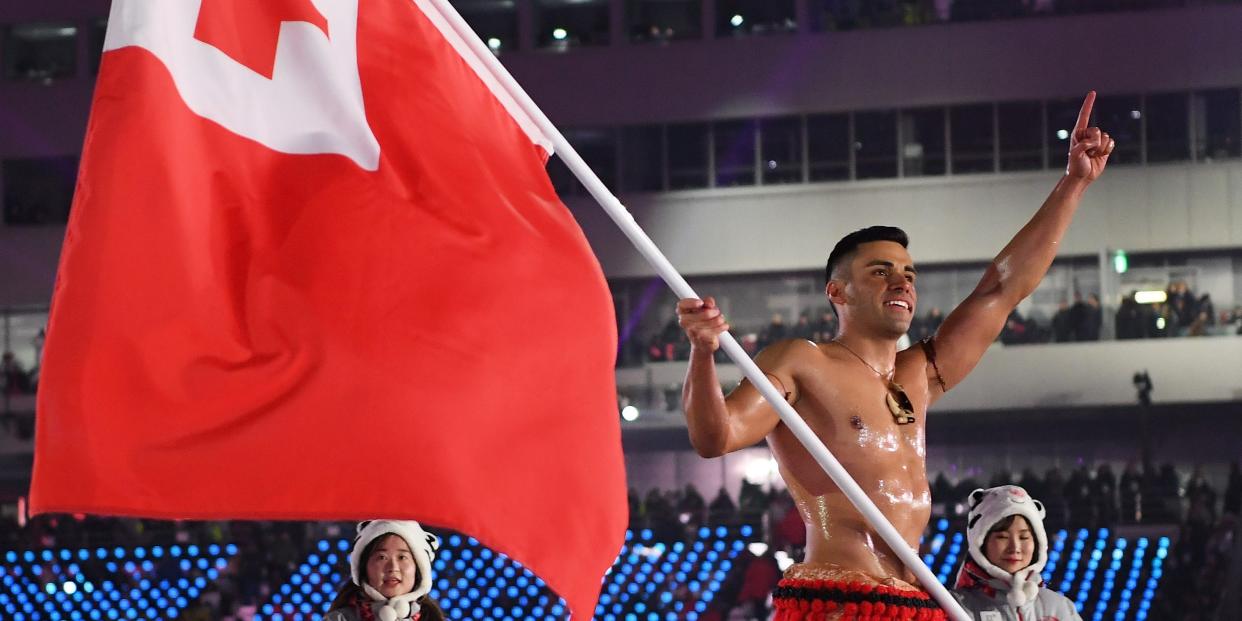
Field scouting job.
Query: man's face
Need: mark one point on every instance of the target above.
(879, 291)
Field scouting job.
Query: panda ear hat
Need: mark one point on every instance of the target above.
(422, 544)
(989, 506)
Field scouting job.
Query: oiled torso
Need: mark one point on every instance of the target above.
(844, 403)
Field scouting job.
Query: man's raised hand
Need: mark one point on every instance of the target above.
(1089, 147)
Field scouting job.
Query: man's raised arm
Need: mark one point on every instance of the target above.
(717, 424)
(1017, 270)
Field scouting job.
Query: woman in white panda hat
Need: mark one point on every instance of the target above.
(390, 575)
(1000, 579)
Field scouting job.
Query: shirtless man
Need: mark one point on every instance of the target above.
(867, 401)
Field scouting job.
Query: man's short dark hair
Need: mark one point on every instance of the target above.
(850, 243)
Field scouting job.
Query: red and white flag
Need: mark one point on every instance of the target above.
(315, 269)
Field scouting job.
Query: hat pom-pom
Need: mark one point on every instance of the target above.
(387, 613)
(1026, 591)
(402, 608)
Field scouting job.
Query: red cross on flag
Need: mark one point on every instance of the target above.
(315, 269)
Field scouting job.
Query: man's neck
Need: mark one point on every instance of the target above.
(879, 351)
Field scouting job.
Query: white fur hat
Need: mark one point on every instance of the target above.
(989, 506)
(422, 544)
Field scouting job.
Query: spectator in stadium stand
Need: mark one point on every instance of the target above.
(751, 503)
(1129, 493)
(693, 506)
(390, 575)
(1181, 312)
(775, 331)
(1008, 547)
(1200, 492)
(1087, 318)
(1131, 324)
(1032, 483)
(722, 508)
(13, 378)
(803, 329)
(1079, 494)
(1062, 329)
(942, 489)
(1105, 486)
(1015, 330)
(787, 530)
(1199, 327)
(635, 507)
(1055, 503)
(1000, 477)
(661, 516)
(760, 578)
(826, 327)
(1205, 307)
(1179, 290)
(1233, 491)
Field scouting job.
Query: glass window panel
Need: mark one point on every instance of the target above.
(735, 152)
(1168, 127)
(1062, 114)
(1217, 123)
(495, 21)
(875, 144)
(598, 147)
(687, 156)
(563, 181)
(664, 20)
(38, 190)
(1121, 116)
(828, 146)
(971, 138)
(746, 17)
(642, 159)
(833, 15)
(922, 142)
(781, 150)
(95, 44)
(977, 10)
(1021, 135)
(40, 52)
(829, 15)
(569, 23)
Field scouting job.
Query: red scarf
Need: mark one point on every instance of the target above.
(972, 576)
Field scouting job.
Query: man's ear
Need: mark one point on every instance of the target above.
(835, 290)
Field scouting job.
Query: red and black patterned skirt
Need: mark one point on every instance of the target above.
(834, 600)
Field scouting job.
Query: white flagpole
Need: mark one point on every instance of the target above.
(656, 258)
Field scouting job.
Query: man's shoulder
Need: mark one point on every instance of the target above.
(787, 351)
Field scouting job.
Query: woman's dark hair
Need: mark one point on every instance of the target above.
(429, 611)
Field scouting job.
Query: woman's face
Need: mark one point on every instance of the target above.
(1011, 549)
(390, 567)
